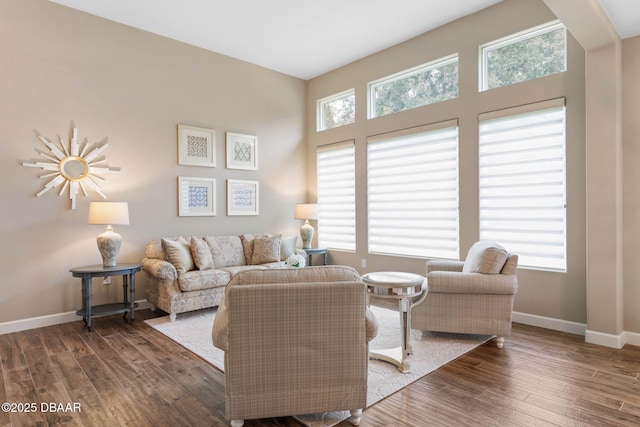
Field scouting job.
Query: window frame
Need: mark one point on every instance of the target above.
(404, 74)
(334, 147)
(320, 111)
(553, 213)
(431, 221)
(486, 48)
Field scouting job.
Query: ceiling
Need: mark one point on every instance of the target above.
(305, 39)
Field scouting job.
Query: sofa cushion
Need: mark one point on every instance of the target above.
(226, 250)
(266, 249)
(485, 257)
(247, 246)
(178, 253)
(240, 268)
(287, 247)
(154, 249)
(201, 254)
(324, 273)
(203, 279)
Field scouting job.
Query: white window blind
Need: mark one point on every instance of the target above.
(337, 196)
(412, 179)
(523, 182)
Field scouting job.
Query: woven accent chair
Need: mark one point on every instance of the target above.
(471, 297)
(296, 342)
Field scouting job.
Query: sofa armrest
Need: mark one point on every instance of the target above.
(159, 269)
(444, 265)
(471, 283)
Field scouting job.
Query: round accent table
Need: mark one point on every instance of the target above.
(88, 272)
(406, 289)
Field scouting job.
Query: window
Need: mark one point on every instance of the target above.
(522, 182)
(337, 196)
(412, 179)
(336, 110)
(535, 53)
(427, 84)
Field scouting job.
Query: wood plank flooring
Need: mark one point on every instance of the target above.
(131, 375)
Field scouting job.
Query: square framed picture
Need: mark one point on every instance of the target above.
(243, 197)
(196, 196)
(196, 146)
(242, 151)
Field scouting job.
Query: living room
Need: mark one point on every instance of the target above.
(134, 87)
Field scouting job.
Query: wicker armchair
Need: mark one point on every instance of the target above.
(471, 297)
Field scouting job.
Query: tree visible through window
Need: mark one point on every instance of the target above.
(427, 84)
(525, 56)
(336, 110)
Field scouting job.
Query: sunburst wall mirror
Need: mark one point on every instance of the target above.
(77, 166)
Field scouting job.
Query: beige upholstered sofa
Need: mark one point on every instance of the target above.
(190, 273)
(471, 297)
(295, 342)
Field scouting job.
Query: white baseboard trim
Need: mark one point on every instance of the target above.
(607, 340)
(632, 338)
(52, 319)
(550, 323)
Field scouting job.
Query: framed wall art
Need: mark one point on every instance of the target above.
(196, 146)
(243, 197)
(196, 196)
(242, 151)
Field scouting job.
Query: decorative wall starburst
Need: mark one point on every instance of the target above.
(77, 167)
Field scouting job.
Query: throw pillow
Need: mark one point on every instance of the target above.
(247, 246)
(178, 253)
(486, 258)
(266, 249)
(288, 247)
(201, 254)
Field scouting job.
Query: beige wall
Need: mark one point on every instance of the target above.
(548, 294)
(631, 147)
(60, 65)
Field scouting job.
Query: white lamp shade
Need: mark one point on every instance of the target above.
(306, 211)
(109, 213)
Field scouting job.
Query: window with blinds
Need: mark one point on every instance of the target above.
(412, 184)
(523, 182)
(337, 196)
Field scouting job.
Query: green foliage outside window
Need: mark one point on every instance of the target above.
(526, 59)
(432, 85)
(336, 110)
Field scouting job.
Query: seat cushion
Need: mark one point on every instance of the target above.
(203, 279)
(485, 257)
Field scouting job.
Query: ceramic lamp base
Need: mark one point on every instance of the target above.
(109, 245)
(306, 233)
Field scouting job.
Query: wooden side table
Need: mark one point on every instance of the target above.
(88, 272)
(316, 251)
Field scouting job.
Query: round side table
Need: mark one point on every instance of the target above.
(406, 289)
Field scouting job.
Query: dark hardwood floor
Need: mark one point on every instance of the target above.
(131, 375)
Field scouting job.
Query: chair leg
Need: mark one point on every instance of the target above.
(499, 342)
(356, 416)
(237, 423)
(172, 318)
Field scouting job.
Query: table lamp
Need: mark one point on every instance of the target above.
(109, 213)
(306, 211)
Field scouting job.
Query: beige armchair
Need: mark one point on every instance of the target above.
(471, 297)
(295, 342)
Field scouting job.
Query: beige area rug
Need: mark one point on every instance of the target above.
(193, 331)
